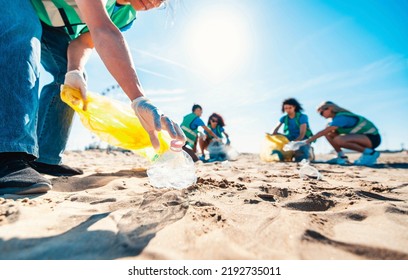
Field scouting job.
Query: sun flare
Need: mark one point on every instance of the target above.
(218, 43)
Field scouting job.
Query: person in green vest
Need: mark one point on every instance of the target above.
(190, 125)
(349, 131)
(61, 34)
(295, 127)
(66, 46)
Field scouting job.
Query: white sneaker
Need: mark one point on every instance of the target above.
(339, 160)
(367, 160)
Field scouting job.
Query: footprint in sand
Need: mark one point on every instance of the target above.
(279, 192)
(137, 227)
(352, 215)
(376, 196)
(251, 201)
(395, 210)
(367, 252)
(9, 212)
(312, 202)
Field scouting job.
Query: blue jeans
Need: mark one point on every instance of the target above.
(302, 153)
(54, 116)
(20, 34)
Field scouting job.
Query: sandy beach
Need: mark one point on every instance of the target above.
(245, 209)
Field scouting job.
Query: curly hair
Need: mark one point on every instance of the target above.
(218, 117)
(293, 102)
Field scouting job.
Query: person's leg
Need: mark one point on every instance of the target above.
(206, 142)
(369, 155)
(20, 33)
(201, 143)
(190, 153)
(330, 138)
(341, 158)
(355, 142)
(54, 116)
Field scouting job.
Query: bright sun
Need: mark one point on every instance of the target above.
(218, 43)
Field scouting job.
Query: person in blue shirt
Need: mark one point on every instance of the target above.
(295, 126)
(216, 125)
(190, 125)
(350, 131)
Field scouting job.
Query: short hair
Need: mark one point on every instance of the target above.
(293, 102)
(196, 106)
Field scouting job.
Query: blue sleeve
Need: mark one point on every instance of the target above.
(303, 119)
(221, 129)
(282, 119)
(197, 123)
(343, 121)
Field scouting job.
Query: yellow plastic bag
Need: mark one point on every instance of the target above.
(272, 148)
(114, 122)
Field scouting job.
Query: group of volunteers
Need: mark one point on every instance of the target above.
(60, 35)
(346, 130)
(213, 131)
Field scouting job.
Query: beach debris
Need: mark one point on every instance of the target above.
(173, 169)
(308, 171)
(294, 145)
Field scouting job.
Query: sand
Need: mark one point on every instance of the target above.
(246, 209)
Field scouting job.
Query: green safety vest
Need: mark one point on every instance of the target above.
(65, 13)
(363, 126)
(308, 133)
(218, 132)
(190, 133)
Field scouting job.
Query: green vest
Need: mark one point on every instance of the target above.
(308, 133)
(363, 126)
(65, 13)
(218, 132)
(190, 133)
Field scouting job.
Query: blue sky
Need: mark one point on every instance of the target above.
(242, 58)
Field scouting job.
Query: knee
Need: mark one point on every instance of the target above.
(338, 140)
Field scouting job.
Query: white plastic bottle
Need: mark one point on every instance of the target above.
(308, 171)
(294, 145)
(173, 169)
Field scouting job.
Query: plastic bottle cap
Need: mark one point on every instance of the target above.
(176, 145)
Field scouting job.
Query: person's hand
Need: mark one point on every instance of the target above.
(76, 79)
(153, 121)
(228, 142)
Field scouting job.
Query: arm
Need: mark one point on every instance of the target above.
(275, 131)
(321, 133)
(302, 132)
(79, 51)
(113, 50)
(210, 132)
(111, 46)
